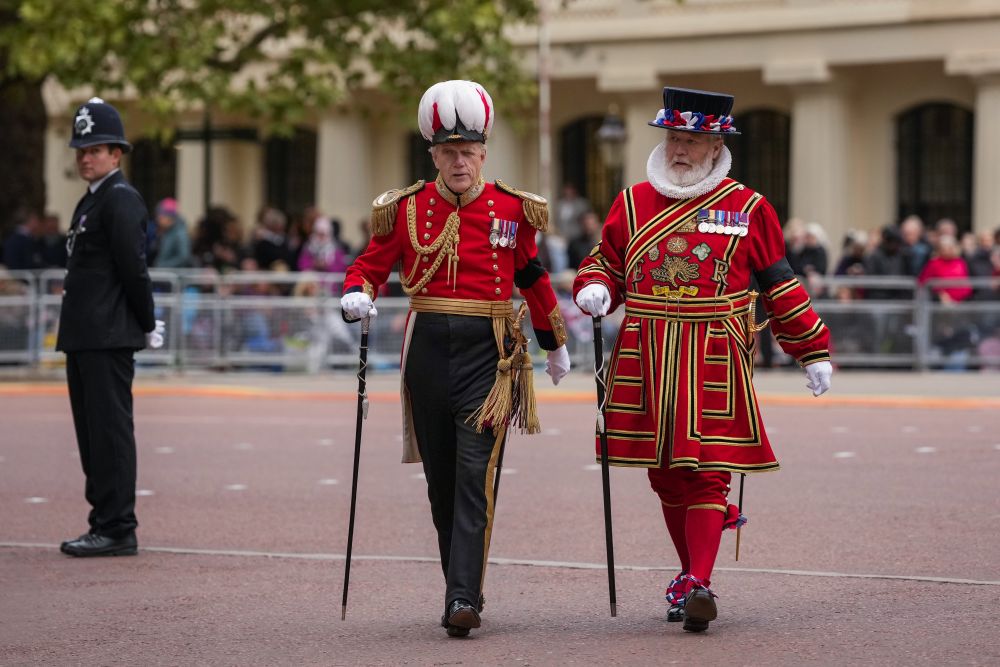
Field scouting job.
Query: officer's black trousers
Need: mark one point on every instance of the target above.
(450, 367)
(100, 394)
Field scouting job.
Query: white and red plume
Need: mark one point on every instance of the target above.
(456, 111)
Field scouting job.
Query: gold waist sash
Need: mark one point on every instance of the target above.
(681, 309)
(474, 307)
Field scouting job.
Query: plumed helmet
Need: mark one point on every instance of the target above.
(97, 122)
(456, 111)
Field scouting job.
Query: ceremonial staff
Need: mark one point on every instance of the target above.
(739, 527)
(605, 478)
(362, 415)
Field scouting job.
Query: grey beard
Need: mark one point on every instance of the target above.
(696, 174)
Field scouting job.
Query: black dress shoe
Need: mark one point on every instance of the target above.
(461, 618)
(102, 545)
(699, 610)
(62, 547)
(675, 614)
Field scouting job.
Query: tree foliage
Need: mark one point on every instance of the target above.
(272, 59)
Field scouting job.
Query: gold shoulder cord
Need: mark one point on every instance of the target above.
(446, 242)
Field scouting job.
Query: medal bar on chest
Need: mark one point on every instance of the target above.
(730, 223)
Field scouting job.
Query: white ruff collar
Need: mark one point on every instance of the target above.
(656, 173)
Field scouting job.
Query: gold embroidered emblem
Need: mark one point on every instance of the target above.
(721, 269)
(676, 245)
(654, 253)
(688, 290)
(701, 251)
(690, 225)
(674, 269)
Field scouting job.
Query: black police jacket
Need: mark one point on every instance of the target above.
(107, 299)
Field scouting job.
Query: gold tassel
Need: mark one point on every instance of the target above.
(527, 409)
(537, 213)
(383, 218)
(495, 410)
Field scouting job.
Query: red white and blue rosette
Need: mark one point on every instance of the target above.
(694, 121)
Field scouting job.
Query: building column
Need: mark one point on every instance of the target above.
(819, 163)
(343, 171)
(986, 155)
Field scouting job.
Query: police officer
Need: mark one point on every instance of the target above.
(463, 244)
(107, 314)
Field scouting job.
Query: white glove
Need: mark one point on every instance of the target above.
(594, 299)
(357, 305)
(154, 339)
(819, 377)
(557, 364)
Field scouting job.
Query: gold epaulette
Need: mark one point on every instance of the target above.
(536, 209)
(386, 205)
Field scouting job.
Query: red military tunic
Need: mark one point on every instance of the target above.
(679, 381)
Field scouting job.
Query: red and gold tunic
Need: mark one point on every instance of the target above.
(460, 254)
(679, 382)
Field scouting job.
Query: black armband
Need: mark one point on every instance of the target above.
(778, 272)
(532, 271)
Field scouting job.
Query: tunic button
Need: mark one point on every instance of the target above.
(497, 279)
(494, 255)
(496, 291)
(492, 214)
(429, 224)
(430, 212)
(423, 291)
(489, 202)
(425, 258)
(431, 202)
(426, 236)
(496, 268)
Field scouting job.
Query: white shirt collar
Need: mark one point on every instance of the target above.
(96, 184)
(656, 173)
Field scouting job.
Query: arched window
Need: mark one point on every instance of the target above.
(761, 155)
(290, 171)
(152, 168)
(581, 164)
(934, 163)
(421, 166)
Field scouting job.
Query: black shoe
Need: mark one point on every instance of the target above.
(699, 610)
(102, 545)
(461, 618)
(62, 547)
(675, 614)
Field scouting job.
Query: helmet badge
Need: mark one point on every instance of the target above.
(83, 123)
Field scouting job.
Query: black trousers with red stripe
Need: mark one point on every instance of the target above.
(451, 365)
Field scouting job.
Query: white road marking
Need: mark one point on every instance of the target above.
(593, 466)
(508, 471)
(523, 562)
(235, 487)
(419, 475)
(551, 431)
(243, 446)
(164, 450)
(840, 429)
(143, 492)
(925, 450)
(325, 442)
(997, 447)
(974, 428)
(36, 500)
(327, 482)
(844, 455)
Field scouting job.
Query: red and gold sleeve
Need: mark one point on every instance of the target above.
(532, 280)
(372, 267)
(606, 262)
(796, 326)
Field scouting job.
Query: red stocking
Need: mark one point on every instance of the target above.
(676, 518)
(703, 530)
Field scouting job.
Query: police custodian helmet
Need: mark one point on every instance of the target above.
(97, 122)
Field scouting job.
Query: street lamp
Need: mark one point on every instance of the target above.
(611, 136)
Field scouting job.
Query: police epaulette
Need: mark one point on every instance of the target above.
(535, 208)
(385, 206)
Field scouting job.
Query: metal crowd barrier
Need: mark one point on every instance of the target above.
(292, 322)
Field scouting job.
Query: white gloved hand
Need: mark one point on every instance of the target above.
(154, 339)
(594, 299)
(357, 305)
(557, 363)
(819, 377)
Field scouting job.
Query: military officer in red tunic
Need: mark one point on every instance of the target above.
(463, 245)
(681, 251)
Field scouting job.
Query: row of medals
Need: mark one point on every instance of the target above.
(503, 233)
(733, 223)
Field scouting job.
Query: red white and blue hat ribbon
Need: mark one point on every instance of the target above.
(693, 121)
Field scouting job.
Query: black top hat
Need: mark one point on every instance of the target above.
(699, 111)
(97, 122)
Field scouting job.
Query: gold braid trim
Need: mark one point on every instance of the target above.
(512, 398)
(385, 207)
(558, 325)
(535, 207)
(445, 245)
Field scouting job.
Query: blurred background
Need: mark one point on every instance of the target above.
(262, 135)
